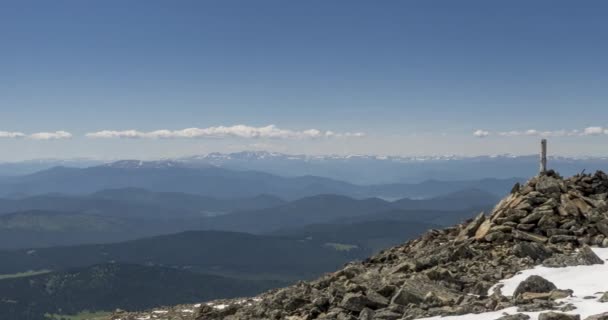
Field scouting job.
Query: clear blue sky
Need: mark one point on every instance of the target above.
(416, 77)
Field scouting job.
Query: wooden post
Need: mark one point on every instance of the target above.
(543, 156)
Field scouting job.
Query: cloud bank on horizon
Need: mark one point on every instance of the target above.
(57, 135)
(272, 132)
(589, 131)
(236, 131)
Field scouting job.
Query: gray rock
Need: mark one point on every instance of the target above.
(498, 236)
(602, 227)
(377, 300)
(602, 316)
(548, 185)
(534, 284)
(586, 256)
(548, 221)
(356, 302)
(470, 230)
(517, 316)
(366, 314)
(522, 235)
(341, 316)
(534, 216)
(387, 315)
(558, 316)
(556, 232)
(404, 297)
(562, 238)
(526, 226)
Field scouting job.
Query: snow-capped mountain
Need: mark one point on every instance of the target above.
(377, 169)
(359, 169)
(139, 164)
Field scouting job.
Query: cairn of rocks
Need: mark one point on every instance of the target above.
(549, 220)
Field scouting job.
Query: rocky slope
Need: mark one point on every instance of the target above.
(549, 220)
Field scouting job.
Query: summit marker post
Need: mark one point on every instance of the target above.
(543, 156)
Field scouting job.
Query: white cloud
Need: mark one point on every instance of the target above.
(481, 133)
(237, 131)
(354, 134)
(589, 131)
(11, 135)
(115, 134)
(535, 133)
(50, 135)
(36, 136)
(594, 131)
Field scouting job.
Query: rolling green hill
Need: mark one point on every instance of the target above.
(204, 251)
(107, 287)
(371, 236)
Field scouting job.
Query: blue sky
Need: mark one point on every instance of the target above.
(415, 77)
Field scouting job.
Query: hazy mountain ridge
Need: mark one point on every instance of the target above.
(223, 183)
(358, 169)
(125, 214)
(137, 202)
(331, 208)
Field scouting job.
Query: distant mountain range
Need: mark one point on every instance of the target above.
(358, 169)
(137, 202)
(222, 183)
(370, 169)
(332, 208)
(125, 214)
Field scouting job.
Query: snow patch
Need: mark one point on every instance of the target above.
(583, 280)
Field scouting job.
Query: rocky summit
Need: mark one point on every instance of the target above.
(548, 221)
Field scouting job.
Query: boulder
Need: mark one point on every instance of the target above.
(601, 316)
(562, 238)
(536, 284)
(517, 316)
(583, 207)
(386, 314)
(470, 230)
(404, 297)
(567, 207)
(586, 256)
(534, 216)
(357, 302)
(533, 250)
(548, 221)
(548, 185)
(366, 314)
(602, 227)
(558, 316)
(483, 230)
(376, 299)
(498, 236)
(342, 316)
(528, 297)
(522, 235)
(415, 291)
